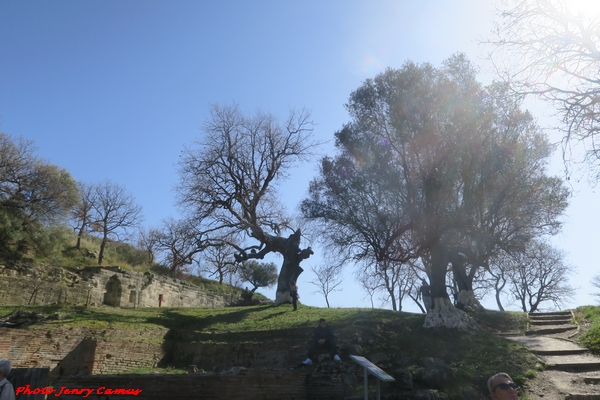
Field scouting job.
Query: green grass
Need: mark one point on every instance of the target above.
(474, 357)
(591, 337)
(147, 371)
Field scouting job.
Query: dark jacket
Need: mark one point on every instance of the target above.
(320, 333)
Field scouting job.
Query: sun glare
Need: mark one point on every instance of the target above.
(588, 8)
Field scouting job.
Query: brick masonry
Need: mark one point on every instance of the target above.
(81, 351)
(238, 384)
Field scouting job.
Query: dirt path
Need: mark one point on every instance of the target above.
(571, 373)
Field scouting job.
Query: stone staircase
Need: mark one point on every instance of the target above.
(572, 369)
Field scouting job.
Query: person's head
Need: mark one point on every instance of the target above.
(322, 323)
(502, 387)
(5, 367)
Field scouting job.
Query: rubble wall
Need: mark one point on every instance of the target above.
(106, 285)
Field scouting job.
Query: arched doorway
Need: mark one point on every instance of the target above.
(112, 297)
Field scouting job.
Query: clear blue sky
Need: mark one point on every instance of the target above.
(115, 89)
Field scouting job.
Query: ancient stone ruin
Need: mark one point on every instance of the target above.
(111, 286)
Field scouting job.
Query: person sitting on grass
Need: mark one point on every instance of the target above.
(502, 387)
(322, 340)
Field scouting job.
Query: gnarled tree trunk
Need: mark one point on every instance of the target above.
(290, 269)
(444, 314)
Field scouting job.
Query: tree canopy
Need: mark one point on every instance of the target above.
(435, 166)
(548, 49)
(228, 181)
(34, 195)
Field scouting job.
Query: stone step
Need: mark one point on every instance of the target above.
(565, 352)
(550, 313)
(550, 316)
(566, 314)
(551, 329)
(552, 322)
(591, 380)
(582, 362)
(582, 397)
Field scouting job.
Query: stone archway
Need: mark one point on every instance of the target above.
(112, 297)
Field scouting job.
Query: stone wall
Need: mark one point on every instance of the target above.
(224, 351)
(106, 285)
(88, 358)
(81, 351)
(237, 384)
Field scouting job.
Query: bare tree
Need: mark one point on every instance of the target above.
(228, 182)
(115, 213)
(596, 283)
(547, 49)
(497, 277)
(178, 242)
(369, 282)
(82, 213)
(539, 275)
(218, 262)
(328, 278)
(148, 242)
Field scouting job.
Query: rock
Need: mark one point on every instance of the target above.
(436, 374)
(404, 379)
(470, 393)
(19, 318)
(426, 394)
(350, 379)
(379, 358)
(350, 349)
(405, 361)
(59, 316)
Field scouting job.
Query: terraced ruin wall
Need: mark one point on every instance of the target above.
(105, 285)
(81, 351)
(87, 358)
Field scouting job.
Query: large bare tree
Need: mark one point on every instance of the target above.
(548, 48)
(115, 213)
(228, 185)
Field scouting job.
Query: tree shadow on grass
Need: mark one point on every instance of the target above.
(173, 319)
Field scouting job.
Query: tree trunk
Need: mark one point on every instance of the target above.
(101, 254)
(444, 315)
(498, 300)
(290, 269)
(464, 281)
(466, 298)
(417, 302)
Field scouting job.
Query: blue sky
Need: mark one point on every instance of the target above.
(115, 89)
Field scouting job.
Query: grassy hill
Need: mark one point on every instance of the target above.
(473, 357)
